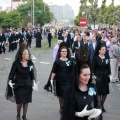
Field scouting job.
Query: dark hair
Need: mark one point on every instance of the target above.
(102, 45)
(21, 53)
(23, 46)
(99, 46)
(87, 33)
(63, 47)
(84, 66)
(81, 67)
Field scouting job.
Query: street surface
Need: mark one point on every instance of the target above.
(45, 105)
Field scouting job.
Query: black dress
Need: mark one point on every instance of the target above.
(38, 39)
(22, 77)
(101, 68)
(62, 69)
(84, 98)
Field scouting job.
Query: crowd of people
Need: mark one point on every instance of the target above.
(94, 53)
(84, 64)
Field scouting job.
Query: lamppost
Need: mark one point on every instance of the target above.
(33, 14)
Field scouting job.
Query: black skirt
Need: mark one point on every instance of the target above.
(23, 94)
(102, 83)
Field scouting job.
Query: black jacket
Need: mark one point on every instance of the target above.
(76, 45)
(22, 76)
(49, 36)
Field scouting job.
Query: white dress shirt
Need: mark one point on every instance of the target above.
(94, 45)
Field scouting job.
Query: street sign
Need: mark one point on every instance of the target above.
(82, 22)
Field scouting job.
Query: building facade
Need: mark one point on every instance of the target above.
(64, 12)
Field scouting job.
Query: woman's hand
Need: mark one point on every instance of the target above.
(11, 84)
(76, 114)
(95, 114)
(51, 81)
(35, 86)
(84, 112)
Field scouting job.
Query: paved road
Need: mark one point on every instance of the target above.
(45, 106)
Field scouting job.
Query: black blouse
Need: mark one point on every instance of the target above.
(84, 98)
(22, 76)
(101, 65)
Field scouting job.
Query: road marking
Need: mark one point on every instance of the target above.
(7, 58)
(119, 88)
(34, 61)
(118, 85)
(33, 57)
(44, 63)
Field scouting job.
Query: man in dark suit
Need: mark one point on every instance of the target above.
(38, 38)
(49, 37)
(3, 41)
(78, 44)
(87, 44)
(92, 50)
(21, 37)
(10, 40)
(99, 38)
(29, 38)
(59, 34)
(67, 39)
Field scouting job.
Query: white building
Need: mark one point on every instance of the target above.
(62, 12)
(0, 8)
(8, 9)
(15, 3)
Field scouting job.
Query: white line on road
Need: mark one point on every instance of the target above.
(34, 61)
(118, 85)
(7, 58)
(33, 57)
(44, 63)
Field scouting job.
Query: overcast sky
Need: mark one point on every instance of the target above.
(73, 3)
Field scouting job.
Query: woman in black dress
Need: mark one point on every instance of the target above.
(21, 79)
(101, 69)
(80, 98)
(61, 71)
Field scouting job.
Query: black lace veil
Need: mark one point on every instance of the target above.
(68, 112)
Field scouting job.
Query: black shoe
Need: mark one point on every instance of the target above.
(47, 88)
(24, 118)
(18, 117)
(103, 109)
(100, 117)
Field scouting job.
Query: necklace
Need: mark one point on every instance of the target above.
(84, 97)
(102, 58)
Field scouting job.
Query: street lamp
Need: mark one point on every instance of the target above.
(33, 14)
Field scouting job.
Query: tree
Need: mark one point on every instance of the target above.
(11, 19)
(42, 12)
(104, 14)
